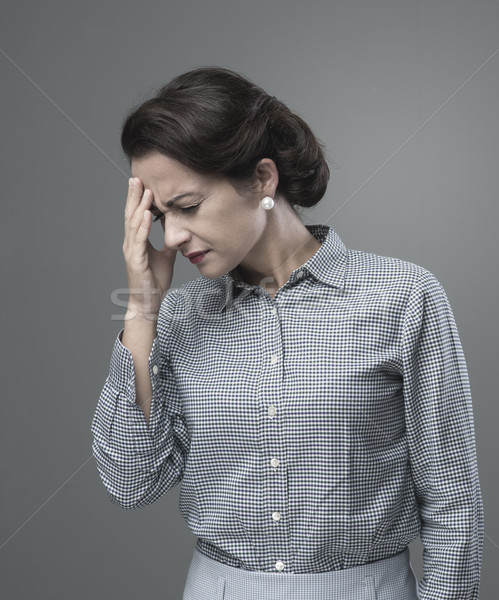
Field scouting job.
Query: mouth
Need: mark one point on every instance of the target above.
(196, 257)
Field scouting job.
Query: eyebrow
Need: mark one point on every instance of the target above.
(175, 198)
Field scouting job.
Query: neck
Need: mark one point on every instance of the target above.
(285, 245)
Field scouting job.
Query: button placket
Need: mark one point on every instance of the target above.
(271, 390)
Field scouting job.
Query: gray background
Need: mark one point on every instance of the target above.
(403, 93)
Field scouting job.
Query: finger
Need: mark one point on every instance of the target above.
(134, 196)
(132, 201)
(135, 220)
(133, 246)
(142, 234)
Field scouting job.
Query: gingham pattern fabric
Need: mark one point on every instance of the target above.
(388, 579)
(318, 430)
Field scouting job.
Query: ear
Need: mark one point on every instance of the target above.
(267, 177)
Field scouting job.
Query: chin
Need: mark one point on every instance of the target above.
(212, 270)
(211, 273)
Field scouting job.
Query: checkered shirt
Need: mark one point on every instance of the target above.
(318, 430)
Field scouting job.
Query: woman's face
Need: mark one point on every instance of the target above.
(209, 215)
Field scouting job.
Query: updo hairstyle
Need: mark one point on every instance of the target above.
(216, 122)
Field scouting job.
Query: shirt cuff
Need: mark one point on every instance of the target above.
(122, 371)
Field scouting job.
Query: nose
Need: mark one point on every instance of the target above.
(175, 235)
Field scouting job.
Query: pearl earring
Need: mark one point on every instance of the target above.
(267, 203)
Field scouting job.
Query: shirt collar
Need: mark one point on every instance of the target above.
(327, 265)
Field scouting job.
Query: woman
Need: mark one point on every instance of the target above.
(313, 400)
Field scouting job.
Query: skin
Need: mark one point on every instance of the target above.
(231, 227)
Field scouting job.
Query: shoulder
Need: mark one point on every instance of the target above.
(385, 273)
(397, 287)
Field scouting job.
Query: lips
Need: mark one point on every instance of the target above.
(196, 257)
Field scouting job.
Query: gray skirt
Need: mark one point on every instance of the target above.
(388, 579)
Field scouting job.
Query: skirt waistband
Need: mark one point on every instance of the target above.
(388, 579)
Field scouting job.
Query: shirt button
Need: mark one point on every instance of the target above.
(273, 359)
(272, 411)
(274, 311)
(274, 463)
(155, 369)
(279, 565)
(276, 516)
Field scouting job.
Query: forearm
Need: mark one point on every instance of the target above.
(137, 460)
(137, 463)
(138, 336)
(453, 543)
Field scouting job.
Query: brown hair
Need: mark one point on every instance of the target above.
(216, 122)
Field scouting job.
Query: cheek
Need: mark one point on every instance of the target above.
(231, 213)
(228, 221)
(234, 223)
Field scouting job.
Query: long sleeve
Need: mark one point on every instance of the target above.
(328, 426)
(442, 451)
(138, 461)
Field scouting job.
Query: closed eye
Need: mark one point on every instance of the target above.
(189, 209)
(185, 209)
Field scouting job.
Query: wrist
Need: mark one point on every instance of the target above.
(144, 301)
(141, 314)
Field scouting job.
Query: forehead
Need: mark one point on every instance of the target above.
(158, 169)
(168, 178)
